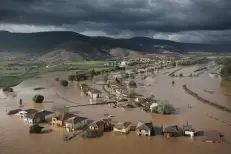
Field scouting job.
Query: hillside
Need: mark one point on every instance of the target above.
(73, 46)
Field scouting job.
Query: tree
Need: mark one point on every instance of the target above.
(132, 76)
(132, 84)
(181, 75)
(93, 72)
(64, 83)
(38, 98)
(35, 129)
(163, 107)
(105, 78)
(7, 89)
(71, 78)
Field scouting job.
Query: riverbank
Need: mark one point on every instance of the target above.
(195, 95)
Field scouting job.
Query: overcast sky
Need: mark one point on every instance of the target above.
(199, 21)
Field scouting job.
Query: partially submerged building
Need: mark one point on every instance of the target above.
(171, 131)
(122, 127)
(144, 129)
(75, 123)
(39, 117)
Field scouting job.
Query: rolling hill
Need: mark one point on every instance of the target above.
(68, 46)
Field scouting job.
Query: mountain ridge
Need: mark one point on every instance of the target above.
(41, 43)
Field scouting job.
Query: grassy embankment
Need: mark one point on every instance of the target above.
(11, 77)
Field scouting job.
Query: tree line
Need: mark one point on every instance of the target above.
(226, 69)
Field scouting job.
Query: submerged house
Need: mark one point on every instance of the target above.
(144, 129)
(101, 125)
(26, 112)
(39, 117)
(62, 118)
(122, 127)
(171, 130)
(75, 123)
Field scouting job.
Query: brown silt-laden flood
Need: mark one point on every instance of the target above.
(15, 137)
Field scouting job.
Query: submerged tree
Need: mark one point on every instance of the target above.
(64, 83)
(35, 129)
(38, 98)
(163, 107)
(7, 89)
(132, 84)
(71, 78)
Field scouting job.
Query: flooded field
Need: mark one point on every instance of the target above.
(15, 139)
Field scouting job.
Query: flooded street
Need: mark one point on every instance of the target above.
(15, 137)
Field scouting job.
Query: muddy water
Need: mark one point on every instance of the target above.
(15, 139)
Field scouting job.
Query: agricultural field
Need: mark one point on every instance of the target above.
(13, 75)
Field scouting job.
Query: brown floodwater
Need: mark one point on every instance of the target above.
(15, 139)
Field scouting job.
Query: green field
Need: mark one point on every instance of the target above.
(9, 78)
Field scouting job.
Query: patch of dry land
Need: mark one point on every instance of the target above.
(15, 139)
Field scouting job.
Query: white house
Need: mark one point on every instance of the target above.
(144, 129)
(75, 123)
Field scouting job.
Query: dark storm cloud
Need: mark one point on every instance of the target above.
(115, 16)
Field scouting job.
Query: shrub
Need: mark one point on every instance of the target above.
(56, 79)
(71, 77)
(35, 129)
(162, 108)
(132, 84)
(181, 75)
(38, 98)
(64, 83)
(7, 89)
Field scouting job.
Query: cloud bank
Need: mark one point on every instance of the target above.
(200, 21)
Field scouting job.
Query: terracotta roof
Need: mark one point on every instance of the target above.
(122, 125)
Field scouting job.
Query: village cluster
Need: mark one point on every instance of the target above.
(121, 94)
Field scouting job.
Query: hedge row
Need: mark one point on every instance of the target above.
(195, 95)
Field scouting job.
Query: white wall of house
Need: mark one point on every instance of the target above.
(22, 114)
(143, 132)
(28, 120)
(77, 125)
